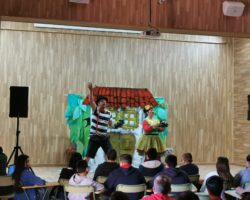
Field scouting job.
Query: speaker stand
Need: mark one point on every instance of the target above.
(17, 147)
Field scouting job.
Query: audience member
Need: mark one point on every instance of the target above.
(117, 195)
(105, 168)
(151, 166)
(161, 188)
(67, 172)
(3, 162)
(188, 195)
(23, 176)
(244, 175)
(80, 178)
(188, 166)
(177, 176)
(223, 171)
(214, 186)
(125, 174)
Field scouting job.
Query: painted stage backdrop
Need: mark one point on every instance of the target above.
(126, 106)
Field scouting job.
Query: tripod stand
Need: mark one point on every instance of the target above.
(17, 147)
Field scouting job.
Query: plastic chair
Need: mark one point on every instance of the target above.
(101, 179)
(79, 189)
(7, 182)
(132, 188)
(181, 187)
(202, 195)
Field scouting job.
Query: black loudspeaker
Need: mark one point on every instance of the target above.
(19, 101)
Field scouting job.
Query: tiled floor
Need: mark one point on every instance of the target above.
(51, 174)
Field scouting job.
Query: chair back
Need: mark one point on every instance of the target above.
(194, 178)
(101, 179)
(202, 195)
(131, 188)
(6, 187)
(181, 187)
(78, 189)
(63, 181)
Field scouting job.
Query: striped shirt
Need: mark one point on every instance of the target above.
(99, 122)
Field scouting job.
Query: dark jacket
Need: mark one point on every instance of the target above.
(66, 173)
(3, 164)
(190, 169)
(130, 176)
(105, 168)
(177, 176)
(151, 168)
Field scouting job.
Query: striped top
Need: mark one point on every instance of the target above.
(99, 122)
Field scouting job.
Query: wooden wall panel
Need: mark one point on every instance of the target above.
(241, 139)
(193, 73)
(193, 16)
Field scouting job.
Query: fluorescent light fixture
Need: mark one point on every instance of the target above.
(81, 28)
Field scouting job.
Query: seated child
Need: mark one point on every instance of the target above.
(80, 179)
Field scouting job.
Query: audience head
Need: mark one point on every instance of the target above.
(214, 186)
(82, 166)
(126, 159)
(162, 184)
(75, 157)
(171, 160)
(117, 195)
(223, 169)
(187, 158)
(22, 163)
(1, 150)
(151, 154)
(111, 155)
(187, 196)
(248, 160)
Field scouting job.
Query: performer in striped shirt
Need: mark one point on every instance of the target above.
(100, 121)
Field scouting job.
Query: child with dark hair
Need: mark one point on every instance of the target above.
(151, 166)
(223, 171)
(125, 174)
(80, 178)
(214, 186)
(23, 176)
(176, 175)
(67, 172)
(188, 195)
(105, 168)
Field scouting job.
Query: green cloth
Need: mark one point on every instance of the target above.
(161, 111)
(76, 115)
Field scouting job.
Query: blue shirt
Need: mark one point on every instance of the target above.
(28, 179)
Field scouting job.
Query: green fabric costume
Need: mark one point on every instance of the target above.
(77, 116)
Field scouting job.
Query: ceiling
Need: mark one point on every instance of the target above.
(179, 16)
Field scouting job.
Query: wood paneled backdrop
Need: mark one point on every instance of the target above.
(193, 73)
(241, 139)
(173, 15)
